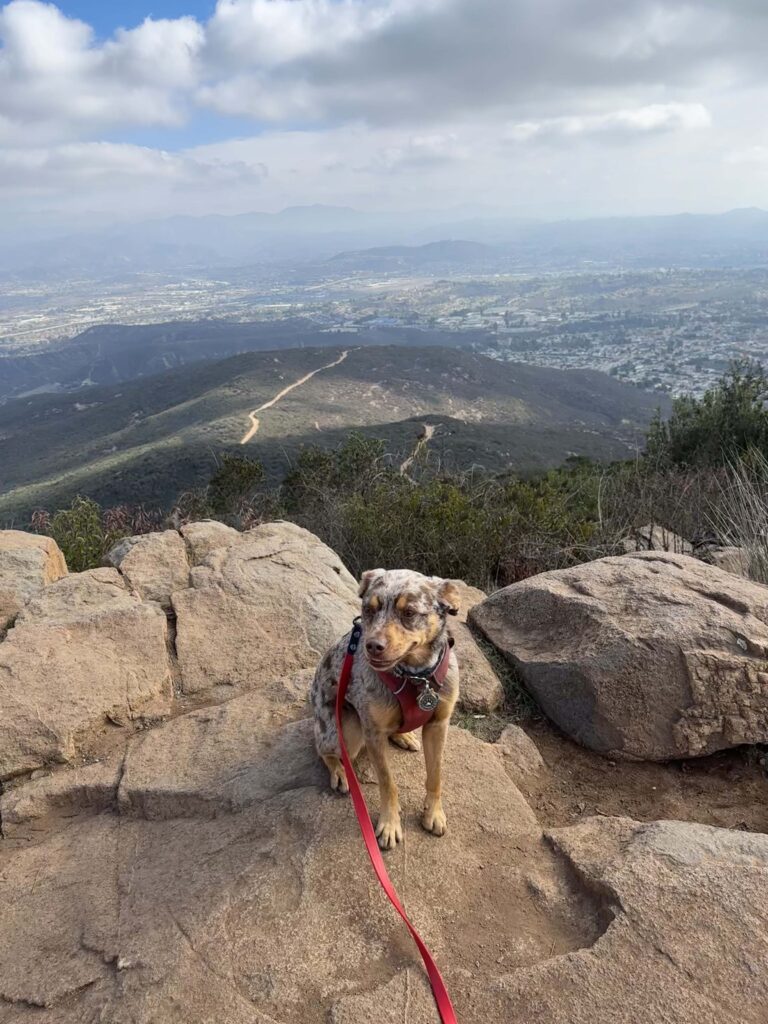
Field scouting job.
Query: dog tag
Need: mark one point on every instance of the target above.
(427, 699)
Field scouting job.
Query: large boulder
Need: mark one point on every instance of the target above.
(28, 562)
(264, 606)
(154, 565)
(480, 688)
(83, 652)
(650, 655)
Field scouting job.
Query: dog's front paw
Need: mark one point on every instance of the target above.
(339, 780)
(433, 819)
(406, 740)
(389, 831)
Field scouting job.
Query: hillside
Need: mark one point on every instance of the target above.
(114, 353)
(147, 440)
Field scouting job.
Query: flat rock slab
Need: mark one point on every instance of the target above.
(90, 789)
(218, 759)
(185, 902)
(650, 656)
(83, 651)
(684, 938)
(265, 606)
(272, 914)
(28, 562)
(687, 938)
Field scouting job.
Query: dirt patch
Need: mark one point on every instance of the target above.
(729, 790)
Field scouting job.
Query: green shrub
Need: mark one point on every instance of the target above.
(727, 422)
(79, 531)
(234, 483)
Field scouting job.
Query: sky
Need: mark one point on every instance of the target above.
(542, 108)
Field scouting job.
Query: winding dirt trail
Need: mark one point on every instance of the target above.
(423, 441)
(281, 394)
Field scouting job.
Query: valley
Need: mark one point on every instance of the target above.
(150, 439)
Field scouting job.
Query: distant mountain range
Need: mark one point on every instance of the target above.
(305, 235)
(149, 439)
(432, 256)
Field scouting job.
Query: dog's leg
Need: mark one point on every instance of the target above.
(388, 829)
(327, 742)
(406, 740)
(433, 736)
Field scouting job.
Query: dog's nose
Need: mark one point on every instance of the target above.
(374, 647)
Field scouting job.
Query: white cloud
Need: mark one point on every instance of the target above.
(81, 166)
(617, 125)
(380, 61)
(399, 101)
(268, 33)
(57, 83)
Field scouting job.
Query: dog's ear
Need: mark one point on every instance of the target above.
(367, 579)
(448, 597)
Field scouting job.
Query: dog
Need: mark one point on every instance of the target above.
(405, 636)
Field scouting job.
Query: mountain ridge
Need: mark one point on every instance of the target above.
(150, 439)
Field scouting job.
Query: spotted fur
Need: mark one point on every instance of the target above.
(404, 623)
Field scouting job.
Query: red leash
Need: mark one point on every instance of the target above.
(439, 991)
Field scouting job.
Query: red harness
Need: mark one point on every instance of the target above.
(407, 689)
(439, 991)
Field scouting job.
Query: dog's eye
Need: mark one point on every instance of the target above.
(409, 613)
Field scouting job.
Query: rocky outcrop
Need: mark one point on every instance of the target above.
(174, 901)
(83, 653)
(219, 759)
(201, 913)
(650, 655)
(90, 789)
(201, 870)
(154, 565)
(266, 605)
(28, 563)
